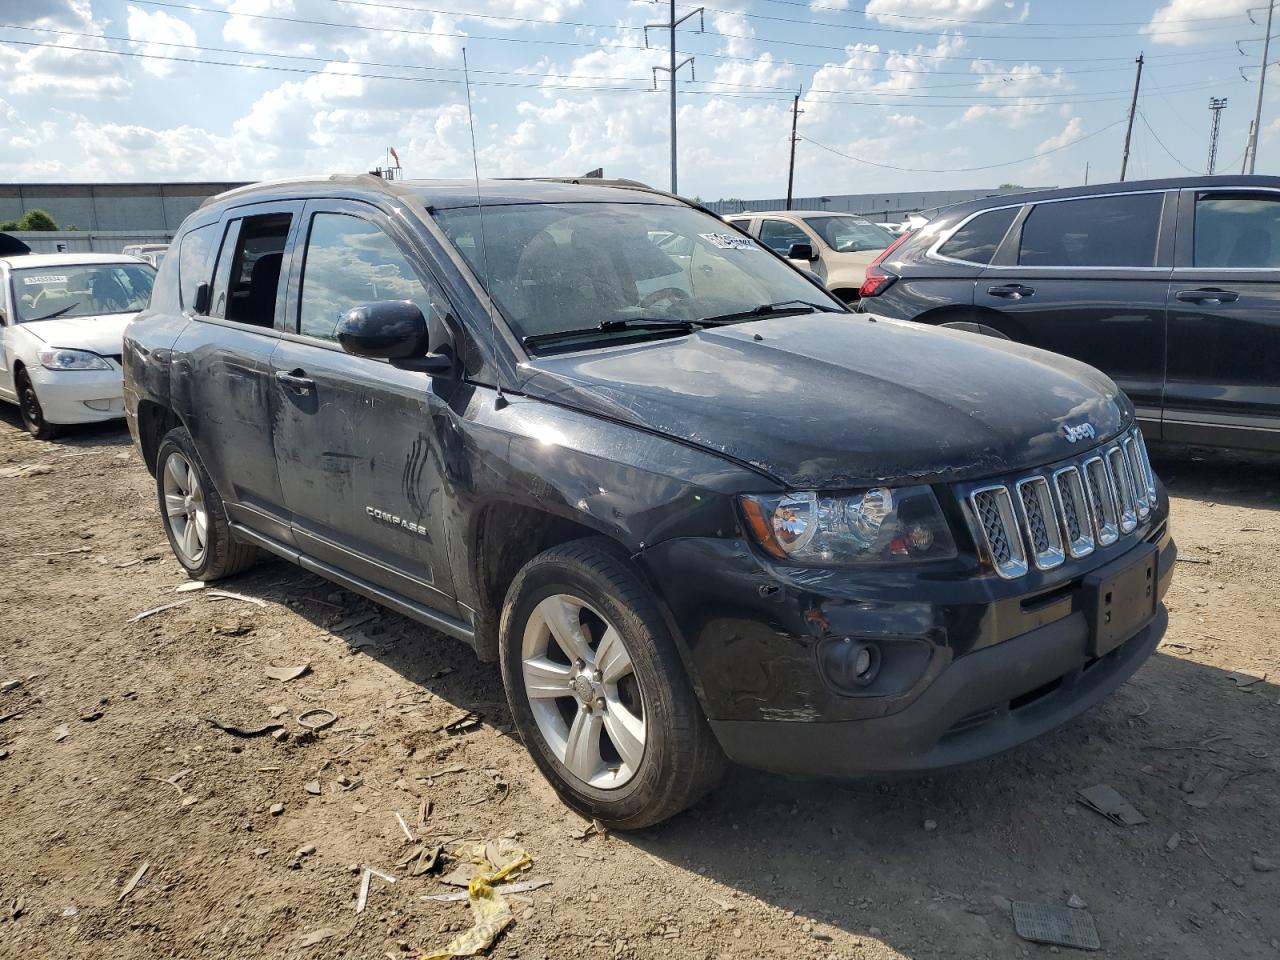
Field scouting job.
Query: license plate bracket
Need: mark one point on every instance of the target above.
(1120, 598)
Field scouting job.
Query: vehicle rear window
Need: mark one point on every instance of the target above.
(194, 260)
(979, 239)
(1237, 231)
(1115, 231)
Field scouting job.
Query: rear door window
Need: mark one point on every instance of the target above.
(979, 239)
(779, 235)
(248, 283)
(1113, 231)
(1240, 231)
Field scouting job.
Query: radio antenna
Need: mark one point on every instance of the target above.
(500, 401)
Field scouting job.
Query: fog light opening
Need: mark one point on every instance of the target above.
(853, 663)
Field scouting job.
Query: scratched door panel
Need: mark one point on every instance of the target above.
(360, 468)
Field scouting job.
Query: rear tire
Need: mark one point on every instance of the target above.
(194, 518)
(608, 715)
(32, 413)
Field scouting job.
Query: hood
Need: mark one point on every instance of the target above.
(101, 334)
(844, 400)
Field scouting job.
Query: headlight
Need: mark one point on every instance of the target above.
(72, 360)
(883, 524)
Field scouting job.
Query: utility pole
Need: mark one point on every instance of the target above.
(1133, 108)
(1251, 151)
(791, 170)
(1216, 105)
(671, 70)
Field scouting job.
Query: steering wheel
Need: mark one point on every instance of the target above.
(666, 293)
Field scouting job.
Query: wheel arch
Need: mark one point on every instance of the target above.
(154, 421)
(969, 313)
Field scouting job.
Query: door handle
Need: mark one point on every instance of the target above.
(297, 381)
(1012, 291)
(1207, 295)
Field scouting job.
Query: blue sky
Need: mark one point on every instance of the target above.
(925, 90)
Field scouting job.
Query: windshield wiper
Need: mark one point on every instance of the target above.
(56, 313)
(782, 308)
(656, 324)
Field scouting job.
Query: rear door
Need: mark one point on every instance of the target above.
(222, 377)
(357, 441)
(1087, 277)
(1224, 321)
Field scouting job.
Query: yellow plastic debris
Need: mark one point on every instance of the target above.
(490, 911)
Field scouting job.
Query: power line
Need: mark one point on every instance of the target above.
(907, 16)
(1150, 129)
(987, 166)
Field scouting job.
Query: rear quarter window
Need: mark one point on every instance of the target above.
(195, 261)
(979, 239)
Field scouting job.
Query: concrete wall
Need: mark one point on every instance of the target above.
(139, 207)
(88, 241)
(891, 207)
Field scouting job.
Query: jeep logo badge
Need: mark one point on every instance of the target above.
(1078, 432)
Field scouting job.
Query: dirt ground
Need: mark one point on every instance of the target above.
(107, 762)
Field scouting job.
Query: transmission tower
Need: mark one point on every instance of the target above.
(1216, 105)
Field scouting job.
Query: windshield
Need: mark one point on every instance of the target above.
(850, 234)
(573, 266)
(80, 290)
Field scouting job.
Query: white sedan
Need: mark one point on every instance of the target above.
(62, 320)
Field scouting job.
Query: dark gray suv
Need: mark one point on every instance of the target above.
(694, 507)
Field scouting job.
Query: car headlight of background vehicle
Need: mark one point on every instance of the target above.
(59, 359)
(883, 524)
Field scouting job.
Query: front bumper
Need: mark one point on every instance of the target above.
(79, 396)
(989, 664)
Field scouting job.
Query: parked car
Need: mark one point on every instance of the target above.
(1172, 287)
(692, 506)
(138, 249)
(836, 247)
(62, 317)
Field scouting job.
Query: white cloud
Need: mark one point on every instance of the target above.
(64, 66)
(1165, 25)
(1022, 88)
(158, 29)
(1072, 131)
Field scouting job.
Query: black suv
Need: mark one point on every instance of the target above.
(1172, 287)
(692, 505)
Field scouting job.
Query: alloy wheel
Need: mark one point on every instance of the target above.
(583, 690)
(185, 509)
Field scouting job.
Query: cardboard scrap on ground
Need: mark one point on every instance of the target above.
(1108, 802)
(1062, 926)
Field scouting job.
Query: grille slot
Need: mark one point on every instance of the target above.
(994, 509)
(1122, 484)
(1073, 506)
(1041, 522)
(1082, 505)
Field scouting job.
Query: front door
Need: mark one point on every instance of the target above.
(778, 235)
(1224, 321)
(7, 322)
(222, 379)
(1087, 279)
(357, 441)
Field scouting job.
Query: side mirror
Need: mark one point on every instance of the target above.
(392, 330)
(201, 304)
(801, 251)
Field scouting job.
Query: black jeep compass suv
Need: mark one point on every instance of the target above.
(692, 506)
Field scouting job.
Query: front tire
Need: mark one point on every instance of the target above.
(598, 691)
(195, 520)
(32, 413)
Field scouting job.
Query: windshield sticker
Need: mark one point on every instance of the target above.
(43, 278)
(726, 241)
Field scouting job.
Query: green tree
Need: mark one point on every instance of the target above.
(8, 224)
(37, 220)
(1010, 186)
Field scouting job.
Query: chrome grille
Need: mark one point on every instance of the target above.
(1071, 510)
